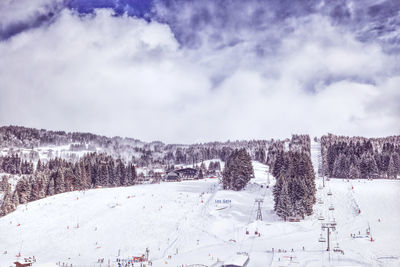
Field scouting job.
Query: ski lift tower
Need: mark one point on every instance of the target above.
(147, 254)
(328, 226)
(259, 214)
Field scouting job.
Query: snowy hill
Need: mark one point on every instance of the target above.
(196, 222)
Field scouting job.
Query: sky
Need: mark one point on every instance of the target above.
(194, 71)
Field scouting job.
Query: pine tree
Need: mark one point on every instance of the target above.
(9, 202)
(299, 208)
(23, 189)
(276, 191)
(201, 175)
(368, 166)
(238, 170)
(392, 169)
(284, 207)
(341, 166)
(78, 182)
(354, 172)
(59, 184)
(39, 166)
(50, 187)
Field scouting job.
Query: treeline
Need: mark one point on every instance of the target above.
(358, 157)
(59, 176)
(191, 154)
(140, 153)
(298, 143)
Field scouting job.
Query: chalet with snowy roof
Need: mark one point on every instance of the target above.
(172, 176)
(188, 173)
(24, 263)
(241, 260)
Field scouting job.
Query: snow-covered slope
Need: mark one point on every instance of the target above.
(316, 157)
(196, 222)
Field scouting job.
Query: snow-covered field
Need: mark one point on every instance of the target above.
(196, 222)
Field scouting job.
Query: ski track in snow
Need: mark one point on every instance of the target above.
(170, 216)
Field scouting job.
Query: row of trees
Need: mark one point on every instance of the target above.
(345, 157)
(140, 153)
(59, 176)
(14, 165)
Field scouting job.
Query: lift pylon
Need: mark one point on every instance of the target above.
(259, 214)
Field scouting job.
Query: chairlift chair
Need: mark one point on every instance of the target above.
(333, 222)
(322, 239)
(321, 217)
(337, 248)
(329, 193)
(331, 207)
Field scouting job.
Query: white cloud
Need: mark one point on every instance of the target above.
(124, 76)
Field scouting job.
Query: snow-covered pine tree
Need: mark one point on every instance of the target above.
(299, 208)
(103, 175)
(23, 189)
(238, 170)
(392, 168)
(341, 166)
(368, 166)
(396, 162)
(354, 172)
(59, 184)
(201, 175)
(50, 187)
(8, 203)
(284, 207)
(131, 172)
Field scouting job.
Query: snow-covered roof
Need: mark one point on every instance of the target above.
(239, 260)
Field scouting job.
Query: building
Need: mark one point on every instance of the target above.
(24, 264)
(172, 176)
(241, 260)
(188, 173)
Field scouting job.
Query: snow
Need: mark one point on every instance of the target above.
(316, 157)
(196, 222)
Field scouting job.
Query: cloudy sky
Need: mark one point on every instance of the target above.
(190, 71)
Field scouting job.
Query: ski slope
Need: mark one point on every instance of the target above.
(196, 222)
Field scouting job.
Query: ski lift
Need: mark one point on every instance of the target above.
(331, 207)
(320, 201)
(329, 193)
(322, 239)
(337, 248)
(321, 217)
(320, 187)
(333, 222)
